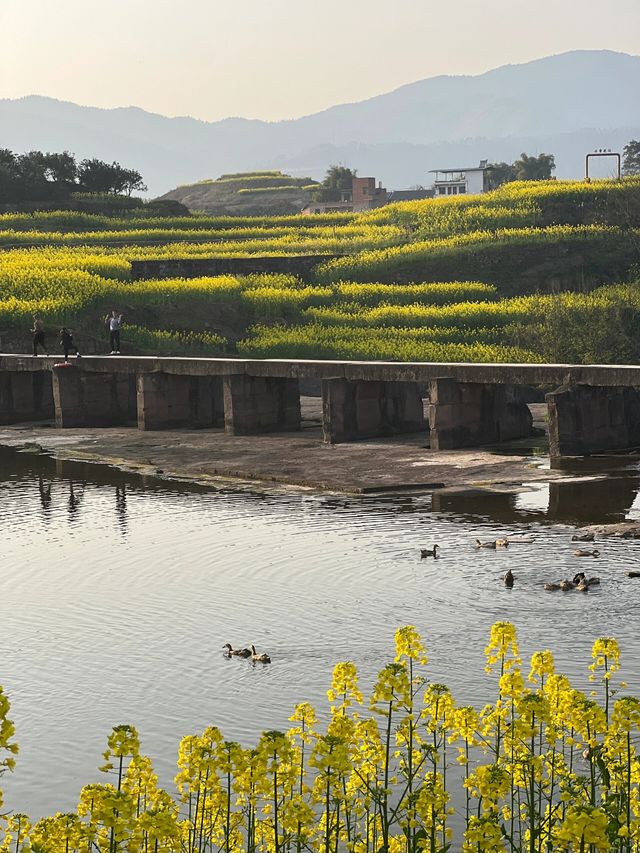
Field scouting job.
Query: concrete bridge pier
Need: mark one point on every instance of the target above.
(586, 419)
(257, 404)
(86, 399)
(468, 414)
(25, 396)
(353, 409)
(172, 401)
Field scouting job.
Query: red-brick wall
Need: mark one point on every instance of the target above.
(363, 188)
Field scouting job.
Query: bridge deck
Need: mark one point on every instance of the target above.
(515, 374)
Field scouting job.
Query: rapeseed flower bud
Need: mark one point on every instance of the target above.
(57, 834)
(502, 647)
(16, 833)
(409, 645)
(542, 666)
(466, 722)
(583, 827)
(511, 684)
(344, 687)
(305, 714)
(123, 740)
(626, 714)
(484, 835)
(392, 687)
(438, 708)
(491, 782)
(605, 654)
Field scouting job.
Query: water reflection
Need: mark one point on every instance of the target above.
(121, 508)
(591, 496)
(595, 490)
(144, 580)
(76, 494)
(44, 488)
(579, 501)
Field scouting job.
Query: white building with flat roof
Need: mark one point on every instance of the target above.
(467, 181)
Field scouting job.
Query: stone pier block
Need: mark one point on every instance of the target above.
(85, 399)
(168, 401)
(353, 409)
(468, 414)
(25, 396)
(257, 404)
(586, 419)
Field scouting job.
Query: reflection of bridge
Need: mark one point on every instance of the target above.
(595, 407)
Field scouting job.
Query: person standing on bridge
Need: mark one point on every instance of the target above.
(114, 321)
(38, 335)
(67, 344)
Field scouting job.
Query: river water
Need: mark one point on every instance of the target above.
(117, 594)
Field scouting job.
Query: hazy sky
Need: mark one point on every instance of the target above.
(275, 59)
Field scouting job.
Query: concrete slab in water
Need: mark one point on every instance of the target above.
(299, 459)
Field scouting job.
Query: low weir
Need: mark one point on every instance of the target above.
(594, 408)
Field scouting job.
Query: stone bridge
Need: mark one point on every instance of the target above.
(595, 408)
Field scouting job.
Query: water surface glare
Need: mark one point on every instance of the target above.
(117, 594)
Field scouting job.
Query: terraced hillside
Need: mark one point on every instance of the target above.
(535, 271)
(246, 193)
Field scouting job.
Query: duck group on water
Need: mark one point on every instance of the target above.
(251, 652)
(492, 544)
(580, 581)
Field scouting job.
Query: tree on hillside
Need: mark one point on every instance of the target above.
(339, 179)
(631, 162)
(9, 176)
(500, 173)
(38, 176)
(128, 181)
(534, 168)
(96, 176)
(33, 175)
(60, 168)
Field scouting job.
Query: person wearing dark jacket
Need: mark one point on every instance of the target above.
(67, 344)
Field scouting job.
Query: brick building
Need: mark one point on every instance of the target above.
(364, 195)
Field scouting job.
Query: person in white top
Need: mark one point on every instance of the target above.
(114, 321)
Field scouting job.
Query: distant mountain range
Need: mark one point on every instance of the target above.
(565, 105)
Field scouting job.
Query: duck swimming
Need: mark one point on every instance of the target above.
(564, 585)
(241, 653)
(583, 537)
(429, 552)
(491, 545)
(508, 579)
(259, 658)
(584, 552)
